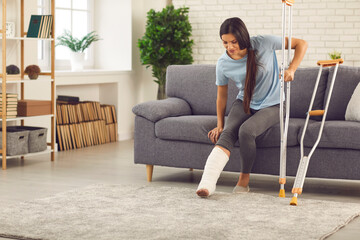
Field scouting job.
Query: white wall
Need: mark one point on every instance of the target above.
(325, 24)
(113, 24)
(133, 86)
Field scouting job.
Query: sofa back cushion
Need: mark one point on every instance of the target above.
(347, 79)
(196, 85)
(302, 89)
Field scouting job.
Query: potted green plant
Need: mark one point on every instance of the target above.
(166, 41)
(335, 55)
(77, 47)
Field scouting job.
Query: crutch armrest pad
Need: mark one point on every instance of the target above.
(329, 63)
(288, 2)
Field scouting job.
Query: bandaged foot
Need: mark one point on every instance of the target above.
(213, 167)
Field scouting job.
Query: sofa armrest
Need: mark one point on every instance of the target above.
(159, 109)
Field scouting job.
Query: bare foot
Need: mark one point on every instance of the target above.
(202, 193)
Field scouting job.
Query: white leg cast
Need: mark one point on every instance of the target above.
(213, 167)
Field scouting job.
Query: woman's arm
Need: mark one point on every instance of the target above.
(222, 95)
(300, 47)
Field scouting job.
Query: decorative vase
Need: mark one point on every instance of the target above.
(77, 61)
(161, 92)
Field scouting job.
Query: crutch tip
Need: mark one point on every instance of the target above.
(282, 193)
(293, 201)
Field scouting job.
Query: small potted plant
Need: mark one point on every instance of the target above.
(32, 71)
(77, 47)
(335, 55)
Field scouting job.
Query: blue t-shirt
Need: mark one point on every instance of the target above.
(267, 88)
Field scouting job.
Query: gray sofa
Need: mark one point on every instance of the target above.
(173, 132)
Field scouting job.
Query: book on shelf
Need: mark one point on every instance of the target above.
(40, 26)
(34, 26)
(9, 100)
(10, 107)
(11, 104)
(10, 95)
(84, 124)
(10, 112)
(10, 116)
(65, 98)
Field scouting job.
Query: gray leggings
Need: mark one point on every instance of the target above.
(246, 127)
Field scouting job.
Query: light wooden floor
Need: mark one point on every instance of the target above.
(38, 177)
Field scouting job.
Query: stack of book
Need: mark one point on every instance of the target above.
(40, 26)
(11, 105)
(108, 114)
(83, 124)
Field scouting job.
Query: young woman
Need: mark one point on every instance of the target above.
(251, 63)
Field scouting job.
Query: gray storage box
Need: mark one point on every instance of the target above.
(17, 141)
(37, 137)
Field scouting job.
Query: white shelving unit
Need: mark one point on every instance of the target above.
(48, 79)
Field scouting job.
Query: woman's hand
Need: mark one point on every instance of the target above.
(289, 75)
(214, 134)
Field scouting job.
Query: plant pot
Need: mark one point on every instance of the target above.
(33, 76)
(77, 60)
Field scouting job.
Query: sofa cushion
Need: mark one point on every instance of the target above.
(271, 137)
(196, 128)
(347, 79)
(302, 89)
(353, 110)
(336, 134)
(196, 85)
(186, 128)
(159, 109)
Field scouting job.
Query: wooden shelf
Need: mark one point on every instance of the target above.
(26, 38)
(29, 154)
(27, 81)
(49, 77)
(24, 118)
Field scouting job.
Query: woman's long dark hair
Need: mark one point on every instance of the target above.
(236, 27)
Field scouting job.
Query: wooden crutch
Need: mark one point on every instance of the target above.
(304, 160)
(284, 127)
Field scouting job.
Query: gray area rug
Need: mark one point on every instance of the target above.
(152, 212)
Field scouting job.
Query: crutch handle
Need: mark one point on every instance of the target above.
(288, 2)
(317, 112)
(329, 63)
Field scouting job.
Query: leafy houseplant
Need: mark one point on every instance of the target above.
(335, 55)
(166, 41)
(77, 46)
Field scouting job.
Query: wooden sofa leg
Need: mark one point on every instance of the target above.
(149, 172)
